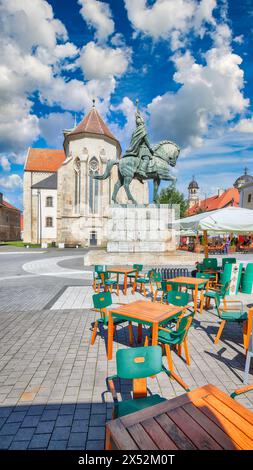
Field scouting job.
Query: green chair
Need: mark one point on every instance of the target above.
(109, 282)
(139, 268)
(227, 261)
(178, 338)
(221, 291)
(162, 286)
(100, 302)
(143, 281)
(201, 287)
(97, 280)
(180, 299)
(231, 311)
(210, 263)
(138, 364)
(247, 279)
(241, 390)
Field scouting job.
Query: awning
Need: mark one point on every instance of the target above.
(227, 220)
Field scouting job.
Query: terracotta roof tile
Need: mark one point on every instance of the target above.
(48, 160)
(9, 206)
(230, 197)
(92, 123)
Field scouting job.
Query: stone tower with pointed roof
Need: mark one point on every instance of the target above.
(193, 192)
(80, 202)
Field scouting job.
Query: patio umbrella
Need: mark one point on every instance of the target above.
(229, 219)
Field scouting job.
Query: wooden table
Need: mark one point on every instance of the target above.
(142, 312)
(194, 282)
(122, 270)
(204, 419)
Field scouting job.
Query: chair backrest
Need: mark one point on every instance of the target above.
(138, 363)
(157, 277)
(224, 289)
(228, 261)
(180, 299)
(249, 269)
(151, 273)
(99, 268)
(203, 275)
(139, 267)
(102, 300)
(210, 263)
(183, 327)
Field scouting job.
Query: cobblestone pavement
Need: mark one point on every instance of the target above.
(53, 392)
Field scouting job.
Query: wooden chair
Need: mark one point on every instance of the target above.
(241, 390)
(101, 301)
(177, 338)
(138, 364)
(143, 281)
(109, 282)
(97, 280)
(232, 311)
(131, 277)
(220, 290)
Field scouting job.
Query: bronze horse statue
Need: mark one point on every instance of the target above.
(164, 154)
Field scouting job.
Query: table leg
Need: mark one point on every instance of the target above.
(110, 337)
(196, 299)
(154, 334)
(139, 332)
(125, 284)
(249, 327)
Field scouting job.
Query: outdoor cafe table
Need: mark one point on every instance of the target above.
(142, 312)
(204, 419)
(122, 270)
(192, 283)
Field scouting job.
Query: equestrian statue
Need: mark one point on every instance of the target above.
(143, 162)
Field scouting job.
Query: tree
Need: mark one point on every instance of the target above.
(171, 195)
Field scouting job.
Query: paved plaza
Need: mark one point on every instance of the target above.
(53, 392)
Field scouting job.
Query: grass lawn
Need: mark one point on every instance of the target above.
(21, 244)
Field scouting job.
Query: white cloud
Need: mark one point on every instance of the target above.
(128, 109)
(75, 95)
(52, 126)
(168, 19)
(5, 164)
(31, 23)
(12, 182)
(100, 62)
(239, 39)
(244, 125)
(118, 40)
(98, 16)
(202, 99)
(24, 28)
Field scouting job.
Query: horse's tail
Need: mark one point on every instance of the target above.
(108, 170)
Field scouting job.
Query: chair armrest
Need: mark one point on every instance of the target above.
(164, 329)
(112, 387)
(226, 307)
(241, 390)
(172, 374)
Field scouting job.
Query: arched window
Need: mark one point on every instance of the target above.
(49, 221)
(49, 201)
(93, 186)
(77, 168)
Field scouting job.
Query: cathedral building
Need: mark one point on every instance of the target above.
(63, 203)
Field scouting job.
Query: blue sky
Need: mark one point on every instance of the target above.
(189, 62)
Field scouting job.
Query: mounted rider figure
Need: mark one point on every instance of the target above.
(140, 146)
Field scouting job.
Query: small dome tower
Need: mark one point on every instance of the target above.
(193, 192)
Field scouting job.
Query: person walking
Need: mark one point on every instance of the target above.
(227, 245)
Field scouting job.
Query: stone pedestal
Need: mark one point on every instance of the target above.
(141, 229)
